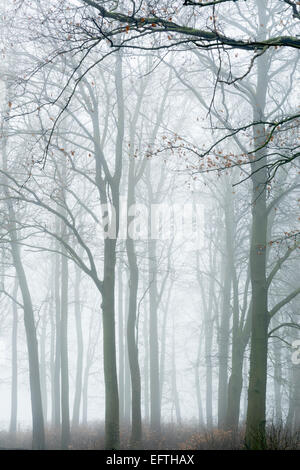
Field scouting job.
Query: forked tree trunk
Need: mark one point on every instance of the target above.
(240, 339)
(38, 433)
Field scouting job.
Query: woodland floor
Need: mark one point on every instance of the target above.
(173, 437)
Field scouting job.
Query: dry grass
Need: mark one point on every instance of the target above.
(172, 437)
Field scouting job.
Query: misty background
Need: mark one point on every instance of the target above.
(144, 333)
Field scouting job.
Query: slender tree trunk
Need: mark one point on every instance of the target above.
(224, 332)
(146, 368)
(136, 412)
(290, 415)
(296, 398)
(163, 351)
(38, 433)
(127, 382)
(208, 361)
(174, 378)
(224, 348)
(57, 402)
(153, 341)
(132, 340)
(14, 367)
(240, 339)
(208, 337)
(52, 345)
(109, 347)
(277, 382)
(79, 362)
(65, 411)
(235, 386)
(88, 362)
(85, 395)
(245, 402)
(43, 365)
(121, 344)
(198, 396)
(208, 319)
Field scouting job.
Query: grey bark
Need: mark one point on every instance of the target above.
(121, 343)
(57, 304)
(14, 366)
(79, 361)
(65, 411)
(256, 413)
(43, 365)
(155, 412)
(136, 412)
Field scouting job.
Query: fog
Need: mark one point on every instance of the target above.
(149, 225)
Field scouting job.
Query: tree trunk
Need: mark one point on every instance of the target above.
(146, 367)
(136, 412)
(85, 395)
(235, 386)
(224, 332)
(224, 348)
(38, 433)
(296, 399)
(112, 438)
(163, 350)
(57, 403)
(132, 337)
(208, 361)
(14, 366)
(127, 381)
(256, 412)
(121, 344)
(174, 378)
(79, 362)
(240, 339)
(52, 343)
(198, 390)
(43, 365)
(153, 341)
(277, 382)
(65, 411)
